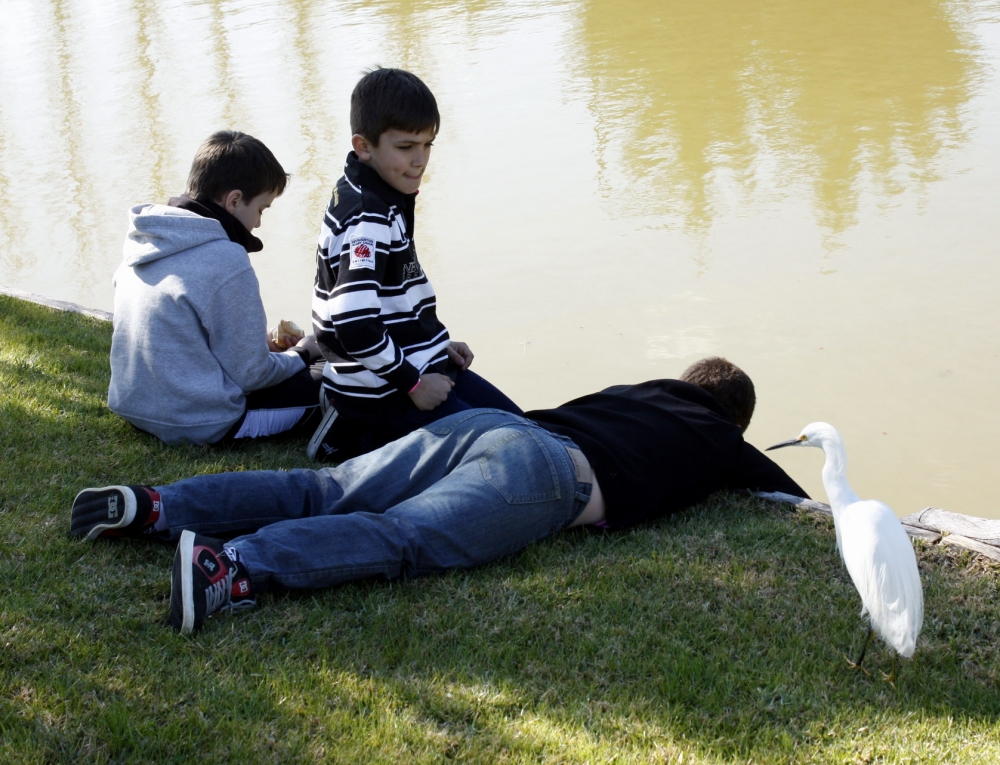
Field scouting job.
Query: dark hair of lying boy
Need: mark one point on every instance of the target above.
(730, 385)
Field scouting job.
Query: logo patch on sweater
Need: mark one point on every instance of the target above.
(362, 253)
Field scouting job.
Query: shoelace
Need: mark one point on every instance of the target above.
(239, 605)
(217, 595)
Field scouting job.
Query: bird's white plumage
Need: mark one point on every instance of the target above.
(879, 557)
(874, 546)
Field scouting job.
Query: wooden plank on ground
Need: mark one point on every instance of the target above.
(957, 540)
(915, 531)
(981, 529)
(980, 535)
(800, 502)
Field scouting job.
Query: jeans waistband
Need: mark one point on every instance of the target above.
(584, 473)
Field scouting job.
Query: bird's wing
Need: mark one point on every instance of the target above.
(879, 557)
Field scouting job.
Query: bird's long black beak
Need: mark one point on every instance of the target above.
(789, 442)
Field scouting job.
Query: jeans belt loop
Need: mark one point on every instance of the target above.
(583, 472)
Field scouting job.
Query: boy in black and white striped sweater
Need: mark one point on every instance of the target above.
(391, 364)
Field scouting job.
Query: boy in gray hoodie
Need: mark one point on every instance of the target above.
(191, 358)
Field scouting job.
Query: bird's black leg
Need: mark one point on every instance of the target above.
(861, 658)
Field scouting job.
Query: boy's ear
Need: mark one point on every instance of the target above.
(230, 200)
(362, 147)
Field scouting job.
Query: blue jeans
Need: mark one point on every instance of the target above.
(457, 493)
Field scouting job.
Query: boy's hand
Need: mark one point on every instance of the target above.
(460, 355)
(309, 343)
(431, 391)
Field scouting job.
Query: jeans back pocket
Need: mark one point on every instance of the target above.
(519, 466)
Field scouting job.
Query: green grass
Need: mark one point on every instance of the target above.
(717, 636)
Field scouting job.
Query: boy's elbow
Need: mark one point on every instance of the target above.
(355, 337)
(329, 345)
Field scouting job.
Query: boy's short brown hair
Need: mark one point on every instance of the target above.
(231, 160)
(728, 383)
(392, 99)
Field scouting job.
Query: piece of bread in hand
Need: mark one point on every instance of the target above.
(286, 334)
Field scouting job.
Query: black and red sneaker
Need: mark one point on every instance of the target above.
(205, 579)
(115, 511)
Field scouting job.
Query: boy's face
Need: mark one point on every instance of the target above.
(247, 211)
(400, 158)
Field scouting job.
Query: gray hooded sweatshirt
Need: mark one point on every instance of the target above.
(189, 328)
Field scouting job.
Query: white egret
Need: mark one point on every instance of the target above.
(875, 549)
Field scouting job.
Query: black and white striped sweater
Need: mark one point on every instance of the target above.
(373, 310)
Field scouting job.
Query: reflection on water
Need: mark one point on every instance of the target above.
(792, 92)
(222, 71)
(151, 133)
(76, 183)
(773, 98)
(591, 152)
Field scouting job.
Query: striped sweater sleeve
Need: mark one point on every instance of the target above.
(351, 266)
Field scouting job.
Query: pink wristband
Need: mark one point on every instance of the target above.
(414, 387)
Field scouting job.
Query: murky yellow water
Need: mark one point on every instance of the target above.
(619, 187)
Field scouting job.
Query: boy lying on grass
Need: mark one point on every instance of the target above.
(191, 358)
(458, 493)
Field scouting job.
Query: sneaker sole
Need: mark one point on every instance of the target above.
(90, 516)
(321, 430)
(185, 549)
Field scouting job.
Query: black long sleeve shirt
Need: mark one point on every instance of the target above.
(661, 446)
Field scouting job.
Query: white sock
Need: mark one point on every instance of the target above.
(161, 522)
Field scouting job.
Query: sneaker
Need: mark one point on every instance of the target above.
(334, 439)
(115, 511)
(206, 578)
(325, 405)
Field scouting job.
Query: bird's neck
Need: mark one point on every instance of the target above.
(838, 490)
